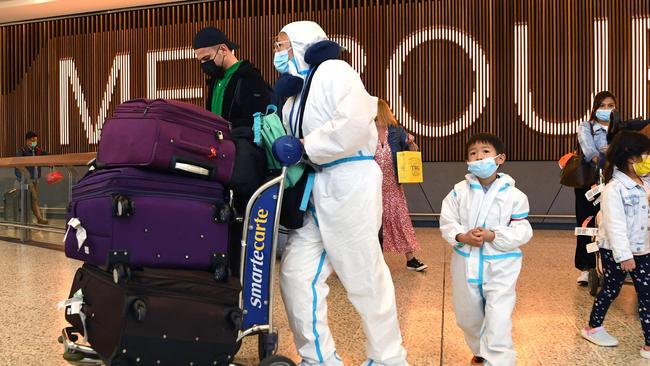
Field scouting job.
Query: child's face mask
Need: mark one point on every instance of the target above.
(483, 168)
(642, 167)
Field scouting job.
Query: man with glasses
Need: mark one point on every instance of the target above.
(236, 91)
(339, 232)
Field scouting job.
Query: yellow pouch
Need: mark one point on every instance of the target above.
(409, 167)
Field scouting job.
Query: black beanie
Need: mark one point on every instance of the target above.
(211, 36)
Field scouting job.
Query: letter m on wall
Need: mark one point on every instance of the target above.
(68, 76)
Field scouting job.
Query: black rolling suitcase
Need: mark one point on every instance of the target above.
(157, 317)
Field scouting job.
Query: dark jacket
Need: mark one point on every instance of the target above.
(246, 94)
(398, 141)
(25, 150)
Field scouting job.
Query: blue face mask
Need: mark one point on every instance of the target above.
(483, 168)
(603, 114)
(281, 61)
(34, 143)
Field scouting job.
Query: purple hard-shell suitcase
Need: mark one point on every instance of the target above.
(142, 218)
(168, 135)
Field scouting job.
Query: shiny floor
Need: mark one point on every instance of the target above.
(550, 310)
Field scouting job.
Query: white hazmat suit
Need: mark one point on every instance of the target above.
(344, 217)
(484, 279)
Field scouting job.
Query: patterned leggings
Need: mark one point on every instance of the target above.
(614, 278)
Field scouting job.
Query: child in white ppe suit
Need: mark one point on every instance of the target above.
(484, 218)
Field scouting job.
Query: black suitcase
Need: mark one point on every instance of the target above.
(158, 317)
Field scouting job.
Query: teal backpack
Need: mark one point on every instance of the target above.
(267, 128)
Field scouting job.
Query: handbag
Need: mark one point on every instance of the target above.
(577, 172)
(409, 167)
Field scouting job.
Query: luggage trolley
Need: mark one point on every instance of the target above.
(257, 267)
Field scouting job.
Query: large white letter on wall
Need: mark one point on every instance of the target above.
(524, 96)
(640, 70)
(153, 57)
(68, 75)
(481, 86)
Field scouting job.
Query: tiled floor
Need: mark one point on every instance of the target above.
(550, 310)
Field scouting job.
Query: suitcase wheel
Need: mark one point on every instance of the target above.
(139, 310)
(72, 356)
(267, 345)
(219, 265)
(221, 273)
(236, 318)
(121, 272)
(277, 360)
(224, 214)
(122, 206)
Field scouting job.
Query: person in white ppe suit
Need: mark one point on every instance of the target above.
(484, 219)
(344, 216)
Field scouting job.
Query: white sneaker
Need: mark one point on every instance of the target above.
(583, 279)
(600, 337)
(644, 353)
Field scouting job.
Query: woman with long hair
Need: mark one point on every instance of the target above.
(592, 138)
(398, 233)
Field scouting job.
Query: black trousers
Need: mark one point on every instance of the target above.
(583, 260)
(614, 278)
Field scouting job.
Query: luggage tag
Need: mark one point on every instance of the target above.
(592, 247)
(586, 231)
(81, 233)
(73, 307)
(72, 304)
(594, 191)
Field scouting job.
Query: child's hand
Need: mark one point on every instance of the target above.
(628, 265)
(484, 234)
(470, 239)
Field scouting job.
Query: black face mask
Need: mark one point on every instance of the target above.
(211, 68)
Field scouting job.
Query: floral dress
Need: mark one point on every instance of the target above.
(399, 235)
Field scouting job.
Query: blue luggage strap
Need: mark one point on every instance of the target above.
(309, 186)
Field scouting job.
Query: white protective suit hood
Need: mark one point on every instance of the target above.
(302, 35)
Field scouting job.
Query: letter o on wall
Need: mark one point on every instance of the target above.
(481, 85)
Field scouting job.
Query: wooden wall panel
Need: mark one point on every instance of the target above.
(523, 69)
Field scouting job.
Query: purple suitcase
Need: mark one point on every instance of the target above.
(168, 135)
(143, 218)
